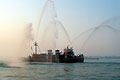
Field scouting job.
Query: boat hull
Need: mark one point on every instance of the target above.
(55, 58)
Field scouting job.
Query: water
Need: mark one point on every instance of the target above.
(102, 25)
(102, 69)
(54, 33)
(103, 39)
(50, 31)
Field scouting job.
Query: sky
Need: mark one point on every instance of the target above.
(76, 15)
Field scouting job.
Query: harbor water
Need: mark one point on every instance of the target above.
(91, 69)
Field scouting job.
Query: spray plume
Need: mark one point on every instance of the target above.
(48, 28)
(95, 34)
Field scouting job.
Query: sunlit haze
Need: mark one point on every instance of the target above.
(73, 18)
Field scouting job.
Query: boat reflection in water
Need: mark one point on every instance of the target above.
(67, 56)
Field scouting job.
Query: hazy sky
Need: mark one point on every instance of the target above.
(76, 15)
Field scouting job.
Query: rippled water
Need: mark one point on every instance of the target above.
(102, 69)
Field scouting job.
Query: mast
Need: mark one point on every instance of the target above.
(36, 45)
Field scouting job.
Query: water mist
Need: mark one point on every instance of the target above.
(50, 31)
(102, 40)
(14, 45)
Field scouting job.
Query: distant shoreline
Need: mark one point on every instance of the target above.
(101, 57)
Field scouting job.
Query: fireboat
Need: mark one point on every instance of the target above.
(67, 56)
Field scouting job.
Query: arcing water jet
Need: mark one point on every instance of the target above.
(47, 31)
(95, 33)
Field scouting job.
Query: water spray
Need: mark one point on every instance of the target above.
(62, 26)
(40, 20)
(54, 16)
(94, 30)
